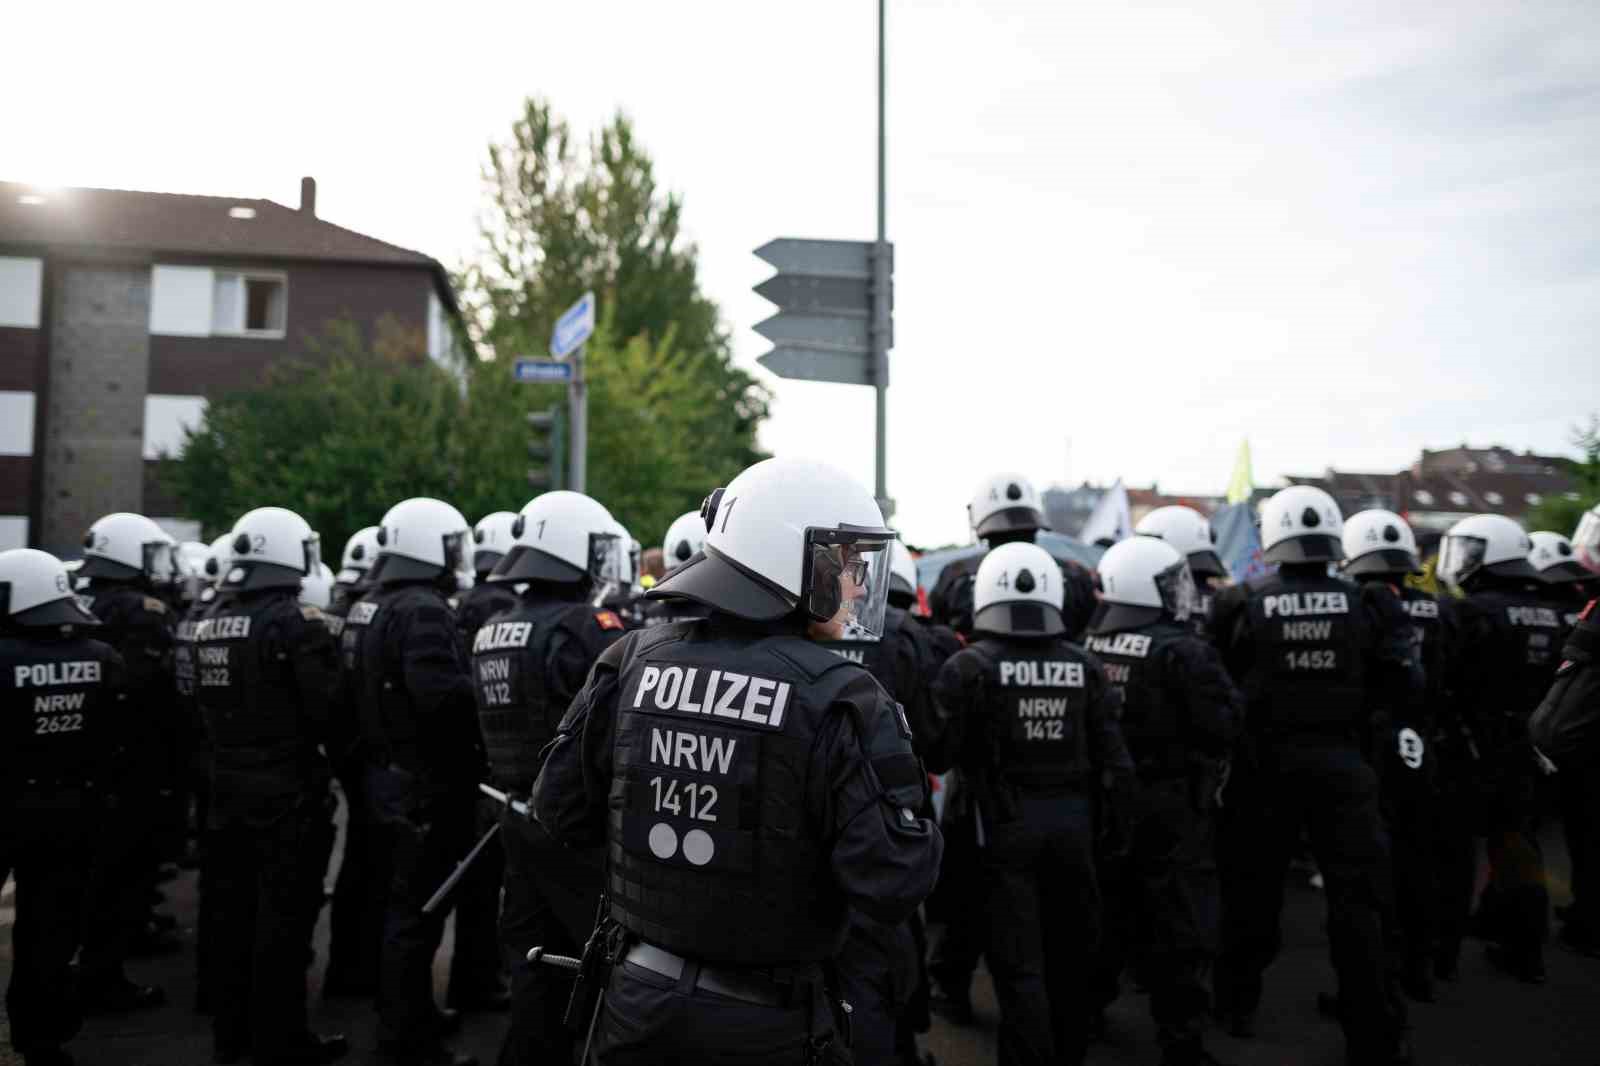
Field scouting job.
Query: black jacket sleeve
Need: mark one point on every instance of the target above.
(954, 697)
(1230, 628)
(310, 652)
(569, 796)
(1213, 705)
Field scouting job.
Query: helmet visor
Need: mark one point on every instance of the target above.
(1460, 557)
(313, 547)
(608, 559)
(846, 583)
(1176, 586)
(1586, 541)
(160, 562)
(457, 559)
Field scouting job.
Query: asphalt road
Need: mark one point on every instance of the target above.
(1482, 1020)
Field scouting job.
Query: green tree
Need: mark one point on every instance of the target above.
(563, 219)
(1560, 514)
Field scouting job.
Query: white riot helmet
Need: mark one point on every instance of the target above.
(1018, 592)
(491, 539)
(38, 591)
(423, 539)
(1586, 540)
(1301, 524)
(124, 547)
(1190, 532)
(316, 589)
(902, 572)
(190, 558)
(1485, 543)
(685, 536)
(786, 536)
(272, 548)
(1142, 580)
(1005, 503)
(1379, 542)
(360, 552)
(564, 537)
(218, 558)
(1553, 557)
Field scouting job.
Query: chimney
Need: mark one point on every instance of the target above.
(308, 197)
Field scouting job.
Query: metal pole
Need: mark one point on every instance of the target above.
(578, 414)
(880, 289)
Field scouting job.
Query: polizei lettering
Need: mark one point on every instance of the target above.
(1131, 645)
(854, 655)
(683, 750)
(1289, 604)
(1544, 617)
(1421, 608)
(758, 701)
(225, 627)
(1051, 674)
(500, 635)
(42, 675)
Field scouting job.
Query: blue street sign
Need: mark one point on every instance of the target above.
(573, 327)
(542, 370)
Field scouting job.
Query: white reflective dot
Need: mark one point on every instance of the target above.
(698, 847)
(663, 841)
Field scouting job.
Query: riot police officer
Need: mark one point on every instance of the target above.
(1380, 551)
(1315, 661)
(360, 552)
(419, 737)
(219, 557)
(1180, 712)
(1568, 582)
(1032, 723)
(122, 555)
(491, 539)
(685, 536)
(1510, 639)
(527, 666)
(1004, 508)
(265, 669)
(1190, 532)
(56, 741)
(758, 786)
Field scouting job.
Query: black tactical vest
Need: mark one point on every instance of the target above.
(1036, 698)
(55, 710)
(247, 694)
(1136, 662)
(1519, 650)
(183, 672)
(510, 682)
(709, 832)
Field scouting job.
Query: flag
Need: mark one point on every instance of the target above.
(1110, 519)
(1242, 483)
(1239, 542)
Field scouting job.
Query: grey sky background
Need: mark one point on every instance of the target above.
(1129, 235)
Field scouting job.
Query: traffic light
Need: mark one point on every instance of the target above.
(547, 447)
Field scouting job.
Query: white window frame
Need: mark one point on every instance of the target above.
(239, 330)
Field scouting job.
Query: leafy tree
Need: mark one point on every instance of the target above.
(1560, 513)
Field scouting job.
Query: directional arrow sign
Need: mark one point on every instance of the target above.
(845, 332)
(573, 327)
(838, 259)
(806, 292)
(542, 370)
(818, 364)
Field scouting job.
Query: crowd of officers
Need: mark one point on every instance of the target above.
(714, 784)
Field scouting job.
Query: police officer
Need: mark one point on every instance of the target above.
(527, 666)
(419, 736)
(491, 539)
(1380, 551)
(1510, 639)
(758, 786)
(265, 669)
(1032, 720)
(122, 555)
(1568, 582)
(355, 924)
(1180, 712)
(1190, 532)
(1315, 660)
(55, 743)
(685, 537)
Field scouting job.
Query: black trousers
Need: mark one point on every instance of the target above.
(878, 974)
(1517, 885)
(428, 828)
(46, 842)
(551, 896)
(1042, 907)
(1456, 824)
(651, 1020)
(257, 871)
(355, 939)
(1580, 816)
(121, 877)
(476, 971)
(958, 896)
(1408, 815)
(1161, 909)
(1326, 788)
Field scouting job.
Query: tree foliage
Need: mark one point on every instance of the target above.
(1560, 514)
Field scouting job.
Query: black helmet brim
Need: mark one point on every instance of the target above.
(393, 569)
(523, 563)
(723, 585)
(1566, 572)
(1206, 564)
(1308, 548)
(1519, 569)
(108, 569)
(262, 576)
(484, 561)
(62, 612)
(1012, 520)
(1115, 617)
(1020, 619)
(1384, 561)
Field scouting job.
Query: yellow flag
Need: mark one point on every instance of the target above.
(1241, 485)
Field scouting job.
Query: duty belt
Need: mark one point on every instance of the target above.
(761, 987)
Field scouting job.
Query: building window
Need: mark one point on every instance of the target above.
(1424, 497)
(1534, 499)
(1494, 498)
(166, 418)
(1458, 498)
(250, 305)
(16, 423)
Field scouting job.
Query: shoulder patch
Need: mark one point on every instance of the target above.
(608, 620)
(310, 613)
(154, 606)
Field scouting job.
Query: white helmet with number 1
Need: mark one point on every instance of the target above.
(564, 537)
(1017, 591)
(1143, 580)
(423, 539)
(1301, 524)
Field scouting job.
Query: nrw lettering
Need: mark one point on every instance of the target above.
(683, 750)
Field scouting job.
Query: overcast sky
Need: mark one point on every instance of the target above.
(1128, 235)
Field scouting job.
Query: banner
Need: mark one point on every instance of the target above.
(1239, 542)
(1110, 521)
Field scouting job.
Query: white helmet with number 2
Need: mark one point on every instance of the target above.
(1301, 524)
(123, 546)
(272, 547)
(790, 535)
(1018, 591)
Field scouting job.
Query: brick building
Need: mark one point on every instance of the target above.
(122, 312)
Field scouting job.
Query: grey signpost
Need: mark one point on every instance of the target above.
(835, 302)
(571, 331)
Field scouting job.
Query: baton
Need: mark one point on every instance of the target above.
(460, 871)
(517, 806)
